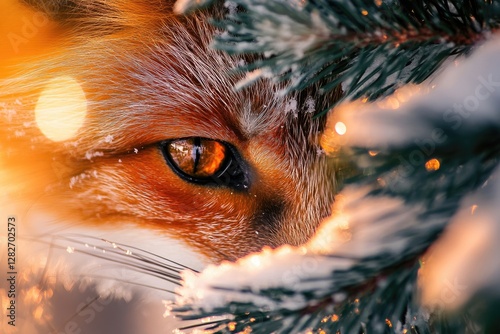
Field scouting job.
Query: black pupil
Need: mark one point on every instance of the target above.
(196, 153)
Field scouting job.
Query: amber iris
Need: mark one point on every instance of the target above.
(197, 157)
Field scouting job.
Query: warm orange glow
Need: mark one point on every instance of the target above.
(37, 314)
(255, 260)
(24, 32)
(211, 161)
(393, 103)
(340, 128)
(333, 232)
(211, 156)
(432, 165)
(34, 295)
(61, 109)
(449, 276)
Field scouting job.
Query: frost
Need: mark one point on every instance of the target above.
(79, 178)
(232, 7)
(465, 96)
(89, 155)
(109, 139)
(9, 113)
(284, 267)
(19, 133)
(310, 105)
(169, 305)
(72, 181)
(361, 227)
(291, 107)
(241, 62)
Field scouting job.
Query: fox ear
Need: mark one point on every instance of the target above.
(104, 16)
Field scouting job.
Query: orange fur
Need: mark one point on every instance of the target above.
(150, 76)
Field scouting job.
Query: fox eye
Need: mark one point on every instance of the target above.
(206, 161)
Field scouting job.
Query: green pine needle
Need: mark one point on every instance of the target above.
(370, 47)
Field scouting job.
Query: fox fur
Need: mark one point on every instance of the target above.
(150, 75)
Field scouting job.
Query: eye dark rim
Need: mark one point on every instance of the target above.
(234, 172)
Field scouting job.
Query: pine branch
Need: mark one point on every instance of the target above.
(396, 207)
(347, 291)
(370, 47)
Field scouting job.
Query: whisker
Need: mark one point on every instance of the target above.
(203, 324)
(175, 279)
(136, 255)
(128, 282)
(136, 261)
(158, 256)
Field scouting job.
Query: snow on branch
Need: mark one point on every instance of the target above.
(362, 268)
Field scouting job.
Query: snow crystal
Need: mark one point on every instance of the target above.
(310, 105)
(109, 139)
(232, 7)
(90, 154)
(79, 178)
(9, 113)
(72, 181)
(283, 267)
(19, 133)
(291, 107)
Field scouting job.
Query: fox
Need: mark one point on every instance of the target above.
(122, 125)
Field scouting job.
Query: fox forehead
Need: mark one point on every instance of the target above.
(167, 83)
(174, 89)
